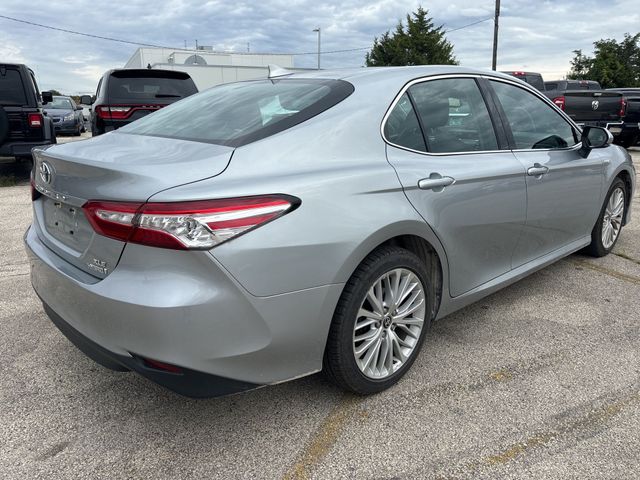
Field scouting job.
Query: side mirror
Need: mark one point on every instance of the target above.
(78, 107)
(86, 100)
(47, 97)
(594, 137)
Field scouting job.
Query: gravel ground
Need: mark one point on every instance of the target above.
(540, 380)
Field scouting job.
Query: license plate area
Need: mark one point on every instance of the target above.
(67, 224)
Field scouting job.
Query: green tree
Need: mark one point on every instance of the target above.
(614, 64)
(580, 66)
(417, 43)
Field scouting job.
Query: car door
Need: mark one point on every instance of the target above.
(563, 188)
(457, 171)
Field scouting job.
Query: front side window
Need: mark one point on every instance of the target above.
(534, 124)
(454, 116)
(239, 113)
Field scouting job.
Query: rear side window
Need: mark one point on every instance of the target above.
(534, 124)
(454, 116)
(239, 113)
(11, 88)
(148, 87)
(402, 127)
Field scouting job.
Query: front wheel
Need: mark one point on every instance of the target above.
(607, 230)
(380, 322)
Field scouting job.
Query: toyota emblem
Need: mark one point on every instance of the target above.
(45, 172)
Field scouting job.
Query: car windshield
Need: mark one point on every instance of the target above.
(239, 113)
(60, 103)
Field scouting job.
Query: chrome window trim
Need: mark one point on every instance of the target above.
(514, 82)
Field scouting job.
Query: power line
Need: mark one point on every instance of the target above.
(369, 48)
(129, 42)
(111, 39)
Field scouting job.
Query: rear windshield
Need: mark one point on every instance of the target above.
(239, 113)
(535, 81)
(150, 86)
(11, 88)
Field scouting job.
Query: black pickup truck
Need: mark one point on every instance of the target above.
(630, 135)
(588, 104)
(23, 124)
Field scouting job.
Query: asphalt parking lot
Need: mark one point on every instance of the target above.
(540, 380)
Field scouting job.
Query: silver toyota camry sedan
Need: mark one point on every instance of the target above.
(265, 230)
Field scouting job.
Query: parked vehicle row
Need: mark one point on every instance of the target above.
(264, 230)
(616, 109)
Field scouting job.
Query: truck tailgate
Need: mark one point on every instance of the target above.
(593, 106)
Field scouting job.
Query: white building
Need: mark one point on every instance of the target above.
(209, 68)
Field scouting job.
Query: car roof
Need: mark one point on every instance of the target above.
(395, 74)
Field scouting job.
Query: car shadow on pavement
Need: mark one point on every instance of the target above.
(14, 172)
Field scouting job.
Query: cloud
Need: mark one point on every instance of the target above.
(539, 35)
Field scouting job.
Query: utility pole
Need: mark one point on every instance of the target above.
(495, 36)
(318, 30)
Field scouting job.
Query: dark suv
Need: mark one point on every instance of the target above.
(128, 94)
(23, 124)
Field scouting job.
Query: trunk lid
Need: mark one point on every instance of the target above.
(117, 167)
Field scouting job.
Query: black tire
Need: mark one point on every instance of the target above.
(629, 141)
(339, 364)
(596, 248)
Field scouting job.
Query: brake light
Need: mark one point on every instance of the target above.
(110, 112)
(35, 120)
(198, 225)
(559, 101)
(623, 107)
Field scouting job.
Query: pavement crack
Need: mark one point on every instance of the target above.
(324, 438)
(607, 271)
(626, 257)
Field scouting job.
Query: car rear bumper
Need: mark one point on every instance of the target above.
(190, 383)
(184, 309)
(20, 149)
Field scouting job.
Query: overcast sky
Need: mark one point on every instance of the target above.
(534, 35)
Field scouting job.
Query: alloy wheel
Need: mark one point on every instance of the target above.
(612, 219)
(389, 323)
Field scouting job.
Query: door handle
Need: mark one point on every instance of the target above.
(537, 170)
(435, 182)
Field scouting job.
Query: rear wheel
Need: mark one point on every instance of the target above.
(380, 322)
(607, 230)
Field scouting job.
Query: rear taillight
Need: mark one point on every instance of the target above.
(623, 107)
(35, 120)
(559, 101)
(198, 225)
(110, 112)
(122, 112)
